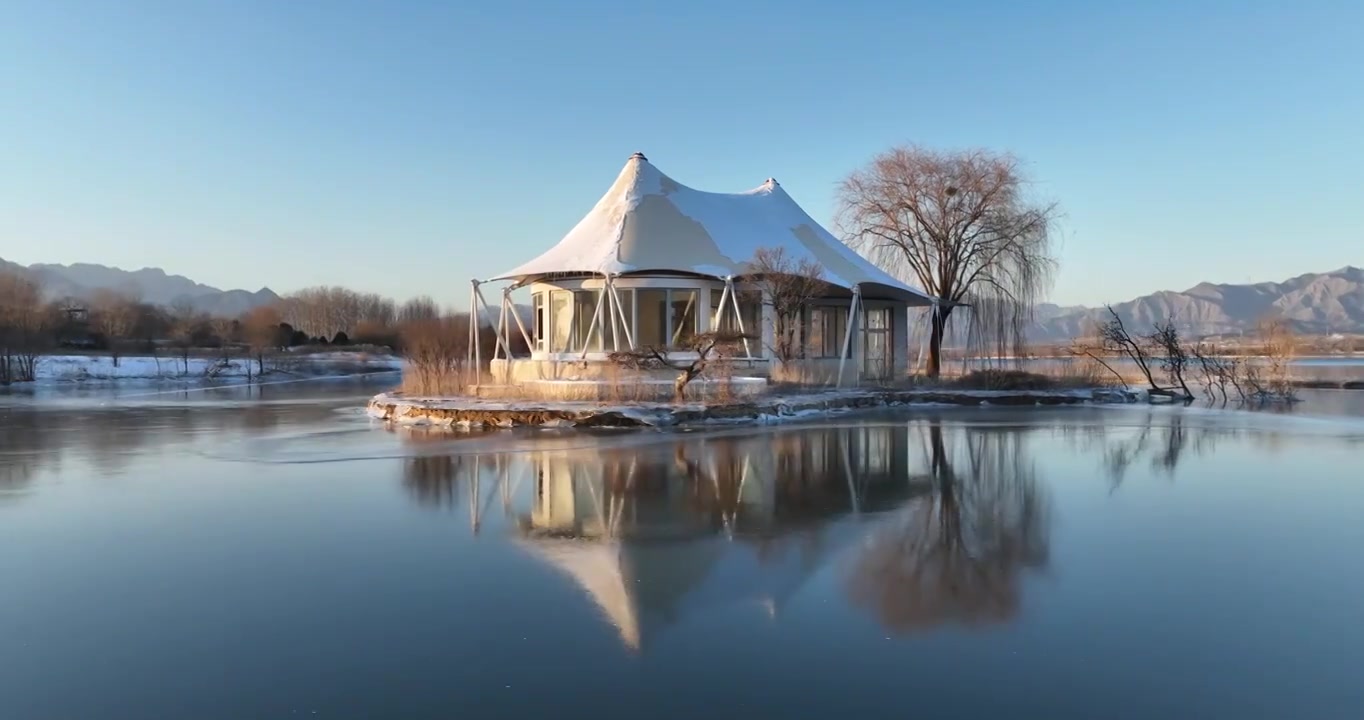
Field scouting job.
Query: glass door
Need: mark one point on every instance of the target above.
(877, 355)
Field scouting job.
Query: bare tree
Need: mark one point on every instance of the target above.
(961, 226)
(789, 285)
(1174, 357)
(261, 330)
(23, 324)
(421, 307)
(113, 314)
(706, 347)
(185, 320)
(1218, 372)
(225, 330)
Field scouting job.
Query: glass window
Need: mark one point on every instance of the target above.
(651, 329)
(682, 322)
(586, 325)
(560, 321)
(627, 309)
(751, 309)
(828, 325)
(878, 319)
(538, 320)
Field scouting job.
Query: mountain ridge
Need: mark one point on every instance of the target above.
(150, 284)
(1312, 303)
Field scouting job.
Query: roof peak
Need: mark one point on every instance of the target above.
(639, 156)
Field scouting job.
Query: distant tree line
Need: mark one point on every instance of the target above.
(120, 323)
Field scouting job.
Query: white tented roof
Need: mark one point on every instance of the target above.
(649, 222)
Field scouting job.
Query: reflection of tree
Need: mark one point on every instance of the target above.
(1161, 445)
(957, 555)
(433, 480)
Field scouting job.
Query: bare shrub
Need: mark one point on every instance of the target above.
(701, 351)
(1270, 379)
(436, 351)
(999, 379)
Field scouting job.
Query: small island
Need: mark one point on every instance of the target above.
(667, 305)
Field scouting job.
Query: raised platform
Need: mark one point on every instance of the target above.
(640, 388)
(481, 412)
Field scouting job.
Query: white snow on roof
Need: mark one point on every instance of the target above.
(648, 222)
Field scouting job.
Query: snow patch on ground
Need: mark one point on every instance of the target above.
(81, 368)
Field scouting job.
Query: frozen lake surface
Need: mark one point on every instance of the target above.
(270, 552)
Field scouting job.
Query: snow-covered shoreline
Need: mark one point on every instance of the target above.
(478, 412)
(63, 369)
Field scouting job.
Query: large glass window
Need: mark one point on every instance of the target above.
(652, 326)
(666, 318)
(682, 322)
(751, 310)
(560, 321)
(824, 338)
(586, 326)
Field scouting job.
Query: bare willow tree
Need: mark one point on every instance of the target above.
(788, 284)
(962, 226)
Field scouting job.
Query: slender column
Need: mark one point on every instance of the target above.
(591, 326)
(473, 332)
(718, 311)
(629, 331)
(486, 308)
(847, 336)
(506, 294)
(738, 316)
(501, 324)
(612, 311)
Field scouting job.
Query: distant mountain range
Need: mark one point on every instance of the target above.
(1315, 303)
(152, 285)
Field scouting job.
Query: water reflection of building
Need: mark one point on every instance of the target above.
(927, 523)
(656, 534)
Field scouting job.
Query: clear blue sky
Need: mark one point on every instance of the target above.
(404, 147)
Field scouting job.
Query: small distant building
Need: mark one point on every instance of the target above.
(655, 262)
(74, 329)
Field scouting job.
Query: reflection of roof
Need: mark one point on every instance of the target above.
(644, 586)
(647, 221)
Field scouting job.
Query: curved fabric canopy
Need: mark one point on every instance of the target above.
(649, 222)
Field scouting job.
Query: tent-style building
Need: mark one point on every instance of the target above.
(655, 262)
